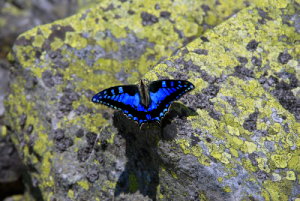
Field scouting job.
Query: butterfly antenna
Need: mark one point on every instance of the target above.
(140, 125)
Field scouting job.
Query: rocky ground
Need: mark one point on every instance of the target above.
(235, 137)
(17, 17)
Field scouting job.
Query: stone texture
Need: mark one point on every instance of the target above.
(10, 166)
(18, 16)
(235, 137)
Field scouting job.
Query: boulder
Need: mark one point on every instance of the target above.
(235, 137)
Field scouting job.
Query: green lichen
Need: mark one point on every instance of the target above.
(248, 165)
(279, 190)
(203, 159)
(281, 161)
(3, 131)
(174, 175)
(3, 22)
(294, 163)
(71, 194)
(111, 140)
(184, 144)
(56, 44)
(251, 147)
(234, 152)
(227, 189)
(84, 184)
(133, 183)
(38, 41)
(290, 175)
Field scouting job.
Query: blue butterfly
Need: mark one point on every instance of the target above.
(142, 103)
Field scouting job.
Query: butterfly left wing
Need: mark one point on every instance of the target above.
(163, 93)
(125, 98)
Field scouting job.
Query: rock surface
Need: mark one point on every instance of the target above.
(11, 166)
(235, 137)
(17, 17)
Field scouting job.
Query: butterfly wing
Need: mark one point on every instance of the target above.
(125, 98)
(163, 93)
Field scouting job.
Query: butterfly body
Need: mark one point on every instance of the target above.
(144, 103)
(144, 93)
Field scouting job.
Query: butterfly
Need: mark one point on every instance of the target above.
(144, 103)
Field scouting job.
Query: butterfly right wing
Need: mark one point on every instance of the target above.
(163, 93)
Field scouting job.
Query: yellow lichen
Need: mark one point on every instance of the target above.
(294, 163)
(233, 130)
(174, 175)
(263, 164)
(234, 152)
(290, 175)
(251, 147)
(276, 177)
(184, 144)
(38, 41)
(56, 44)
(3, 131)
(281, 161)
(84, 184)
(71, 194)
(227, 189)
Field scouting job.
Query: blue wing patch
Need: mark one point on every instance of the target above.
(124, 98)
(127, 99)
(163, 93)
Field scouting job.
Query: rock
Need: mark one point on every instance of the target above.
(221, 149)
(4, 74)
(11, 167)
(18, 17)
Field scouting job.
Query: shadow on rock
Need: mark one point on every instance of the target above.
(141, 172)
